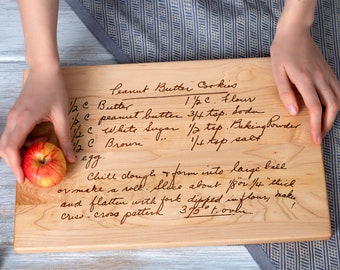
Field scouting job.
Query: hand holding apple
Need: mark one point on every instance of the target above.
(44, 164)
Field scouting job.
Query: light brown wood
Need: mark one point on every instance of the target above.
(178, 154)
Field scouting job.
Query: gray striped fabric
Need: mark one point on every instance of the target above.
(173, 30)
(150, 31)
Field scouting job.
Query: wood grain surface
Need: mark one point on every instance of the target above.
(177, 154)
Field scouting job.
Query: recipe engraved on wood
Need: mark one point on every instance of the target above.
(168, 149)
(207, 120)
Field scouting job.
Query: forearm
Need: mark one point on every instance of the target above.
(39, 22)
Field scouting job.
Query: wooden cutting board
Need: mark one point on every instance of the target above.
(178, 154)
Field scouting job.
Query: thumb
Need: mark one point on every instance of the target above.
(62, 131)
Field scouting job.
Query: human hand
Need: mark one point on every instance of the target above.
(43, 98)
(298, 65)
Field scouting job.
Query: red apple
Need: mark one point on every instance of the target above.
(44, 164)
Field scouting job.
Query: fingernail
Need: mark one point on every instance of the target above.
(292, 110)
(20, 180)
(319, 140)
(71, 156)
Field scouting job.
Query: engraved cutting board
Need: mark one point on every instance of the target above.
(178, 154)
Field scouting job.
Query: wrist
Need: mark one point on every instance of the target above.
(297, 17)
(44, 64)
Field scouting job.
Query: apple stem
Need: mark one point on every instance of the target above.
(43, 160)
